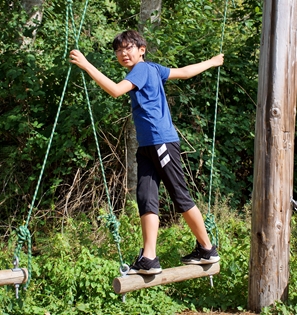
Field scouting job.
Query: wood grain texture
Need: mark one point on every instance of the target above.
(13, 276)
(177, 274)
(274, 156)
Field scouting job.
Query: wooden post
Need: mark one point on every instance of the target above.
(274, 156)
(13, 276)
(135, 282)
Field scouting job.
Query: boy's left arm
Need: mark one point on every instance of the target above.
(194, 69)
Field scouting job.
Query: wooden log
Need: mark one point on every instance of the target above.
(13, 276)
(177, 274)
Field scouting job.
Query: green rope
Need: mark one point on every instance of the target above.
(210, 220)
(24, 235)
(21, 240)
(69, 2)
(23, 231)
(111, 220)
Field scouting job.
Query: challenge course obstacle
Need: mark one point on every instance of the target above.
(124, 284)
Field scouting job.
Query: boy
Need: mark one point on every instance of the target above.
(158, 154)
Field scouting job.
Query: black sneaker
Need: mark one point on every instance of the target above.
(145, 266)
(201, 256)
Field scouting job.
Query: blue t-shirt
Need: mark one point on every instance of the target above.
(150, 109)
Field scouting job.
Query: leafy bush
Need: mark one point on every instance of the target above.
(73, 269)
(32, 81)
(72, 276)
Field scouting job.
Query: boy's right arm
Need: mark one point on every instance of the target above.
(112, 88)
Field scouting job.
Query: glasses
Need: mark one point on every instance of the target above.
(122, 50)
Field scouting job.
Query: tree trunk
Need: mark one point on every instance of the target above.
(34, 9)
(149, 9)
(274, 156)
(131, 159)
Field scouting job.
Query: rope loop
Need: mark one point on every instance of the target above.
(24, 236)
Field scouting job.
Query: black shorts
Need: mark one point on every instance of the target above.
(158, 163)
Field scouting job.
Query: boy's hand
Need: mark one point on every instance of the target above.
(77, 58)
(218, 60)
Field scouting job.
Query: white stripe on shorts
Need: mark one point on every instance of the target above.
(162, 149)
(165, 160)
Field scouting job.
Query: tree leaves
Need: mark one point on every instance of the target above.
(31, 83)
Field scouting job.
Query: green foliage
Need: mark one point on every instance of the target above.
(279, 309)
(71, 276)
(31, 83)
(76, 260)
(230, 286)
(32, 80)
(73, 270)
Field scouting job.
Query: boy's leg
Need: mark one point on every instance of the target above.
(204, 252)
(148, 183)
(147, 262)
(149, 226)
(148, 203)
(171, 172)
(195, 221)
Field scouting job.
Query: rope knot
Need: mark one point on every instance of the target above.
(23, 234)
(113, 225)
(209, 222)
(210, 226)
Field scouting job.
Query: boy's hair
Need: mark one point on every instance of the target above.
(128, 37)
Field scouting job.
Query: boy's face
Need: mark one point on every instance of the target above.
(129, 55)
